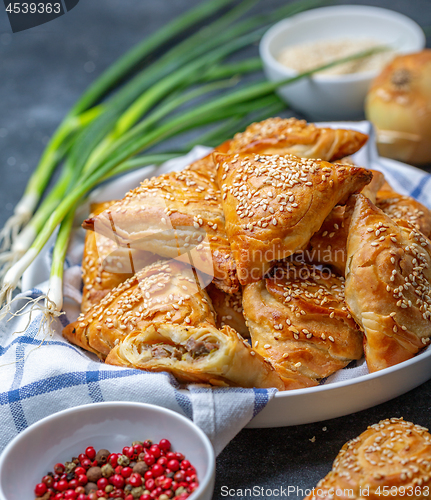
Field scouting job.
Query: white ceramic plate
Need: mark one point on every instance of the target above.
(332, 399)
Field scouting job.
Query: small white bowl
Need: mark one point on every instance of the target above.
(64, 435)
(340, 97)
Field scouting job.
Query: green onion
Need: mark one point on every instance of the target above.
(73, 121)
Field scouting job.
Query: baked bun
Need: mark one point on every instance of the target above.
(274, 204)
(388, 284)
(391, 459)
(299, 321)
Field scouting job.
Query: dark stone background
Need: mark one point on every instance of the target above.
(42, 72)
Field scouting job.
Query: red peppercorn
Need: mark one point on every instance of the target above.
(145, 496)
(116, 480)
(62, 485)
(135, 480)
(112, 459)
(82, 479)
(158, 491)
(185, 464)
(150, 484)
(86, 463)
(174, 465)
(80, 489)
(129, 497)
(164, 445)
(79, 470)
(149, 459)
(73, 484)
(91, 453)
(162, 461)
(82, 456)
(40, 489)
(147, 443)
(126, 472)
(118, 469)
(59, 468)
(167, 483)
(157, 470)
(179, 456)
(155, 450)
(59, 496)
(70, 495)
(148, 475)
(117, 494)
(82, 496)
(48, 480)
(179, 476)
(100, 493)
(138, 448)
(102, 483)
(193, 486)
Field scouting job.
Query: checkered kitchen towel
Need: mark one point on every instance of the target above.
(41, 373)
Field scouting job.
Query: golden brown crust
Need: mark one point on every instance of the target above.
(206, 164)
(105, 265)
(391, 459)
(162, 320)
(299, 321)
(371, 189)
(228, 308)
(297, 137)
(274, 204)
(199, 353)
(175, 215)
(398, 206)
(97, 283)
(388, 290)
(164, 291)
(328, 245)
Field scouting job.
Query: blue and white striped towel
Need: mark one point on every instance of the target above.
(41, 373)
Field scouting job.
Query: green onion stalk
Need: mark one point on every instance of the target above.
(81, 113)
(217, 109)
(178, 67)
(90, 139)
(91, 136)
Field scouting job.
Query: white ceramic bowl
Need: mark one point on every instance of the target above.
(63, 435)
(340, 97)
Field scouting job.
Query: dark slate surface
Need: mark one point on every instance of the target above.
(42, 72)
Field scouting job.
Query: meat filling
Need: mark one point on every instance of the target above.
(192, 348)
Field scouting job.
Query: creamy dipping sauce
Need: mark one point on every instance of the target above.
(310, 55)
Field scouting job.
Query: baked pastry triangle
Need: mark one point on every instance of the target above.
(398, 206)
(297, 137)
(274, 204)
(388, 285)
(390, 459)
(228, 308)
(298, 320)
(176, 215)
(328, 246)
(288, 136)
(161, 319)
(200, 353)
(165, 290)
